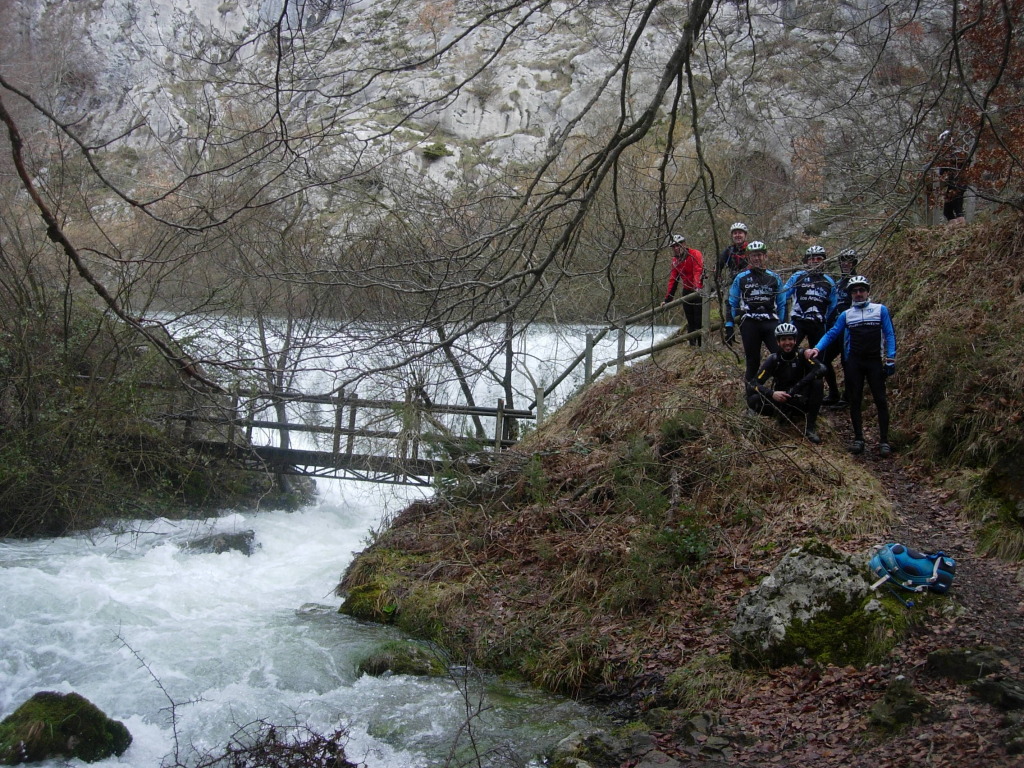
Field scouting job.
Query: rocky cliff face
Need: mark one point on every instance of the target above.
(802, 100)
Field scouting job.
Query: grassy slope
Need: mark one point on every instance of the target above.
(608, 551)
(613, 543)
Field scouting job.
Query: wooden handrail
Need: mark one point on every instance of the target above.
(631, 320)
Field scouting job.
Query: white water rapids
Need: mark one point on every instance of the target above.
(242, 638)
(135, 621)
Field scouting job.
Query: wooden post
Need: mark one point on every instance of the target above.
(588, 362)
(403, 432)
(233, 416)
(416, 424)
(339, 407)
(705, 319)
(499, 425)
(538, 396)
(620, 359)
(351, 426)
(250, 416)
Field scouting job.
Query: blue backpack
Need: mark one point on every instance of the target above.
(912, 570)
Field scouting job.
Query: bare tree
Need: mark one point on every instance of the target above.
(802, 119)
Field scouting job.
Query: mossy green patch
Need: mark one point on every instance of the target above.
(403, 657)
(371, 602)
(847, 635)
(51, 725)
(700, 682)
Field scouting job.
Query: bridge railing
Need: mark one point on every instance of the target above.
(586, 357)
(349, 430)
(352, 426)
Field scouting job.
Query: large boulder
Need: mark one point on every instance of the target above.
(53, 725)
(818, 604)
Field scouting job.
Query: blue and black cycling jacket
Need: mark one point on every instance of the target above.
(865, 329)
(843, 298)
(757, 295)
(813, 295)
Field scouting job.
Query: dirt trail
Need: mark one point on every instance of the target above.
(807, 715)
(989, 591)
(824, 716)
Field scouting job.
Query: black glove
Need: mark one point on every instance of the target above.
(730, 335)
(890, 369)
(798, 399)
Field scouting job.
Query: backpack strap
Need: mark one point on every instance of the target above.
(880, 582)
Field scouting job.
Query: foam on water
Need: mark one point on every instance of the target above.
(135, 620)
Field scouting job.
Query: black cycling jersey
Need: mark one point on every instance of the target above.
(793, 374)
(757, 294)
(813, 295)
(843, 299)
(733, 259)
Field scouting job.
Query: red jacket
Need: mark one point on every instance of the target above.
(687, 268)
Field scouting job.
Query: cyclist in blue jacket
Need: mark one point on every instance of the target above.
(811, 297)
(867, 333)
(757, 305)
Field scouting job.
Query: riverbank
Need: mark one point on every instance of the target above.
(604, 557)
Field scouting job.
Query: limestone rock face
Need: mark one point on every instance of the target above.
(52, 725)
(816, 603)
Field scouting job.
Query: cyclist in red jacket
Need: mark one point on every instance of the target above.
(688, 270)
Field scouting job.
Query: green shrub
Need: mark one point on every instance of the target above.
(436, 151)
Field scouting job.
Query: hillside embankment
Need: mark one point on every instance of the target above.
(604, 556)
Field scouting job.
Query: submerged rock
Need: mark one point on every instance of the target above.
(52, 725)
(403, 658)
(218, 543)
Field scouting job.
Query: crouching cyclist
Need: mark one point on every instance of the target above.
(866, 329)
(789, 385)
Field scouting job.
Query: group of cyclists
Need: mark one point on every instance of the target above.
(835, 315)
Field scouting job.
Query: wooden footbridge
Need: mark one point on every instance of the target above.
(410, 441)
(382, 441)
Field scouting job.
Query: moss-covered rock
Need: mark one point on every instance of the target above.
(815, 604)
(967, 664)
(51, 725)
(403, 657)
(219, 543)
(901, 705)
(370, 602)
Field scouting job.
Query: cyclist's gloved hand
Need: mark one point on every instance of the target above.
(730, 334)
(890, 368)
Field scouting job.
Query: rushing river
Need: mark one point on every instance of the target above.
(136, 620)
(186, 647)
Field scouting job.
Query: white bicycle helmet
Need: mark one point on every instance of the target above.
(858, 281)
(786, 329)
(738, 225)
